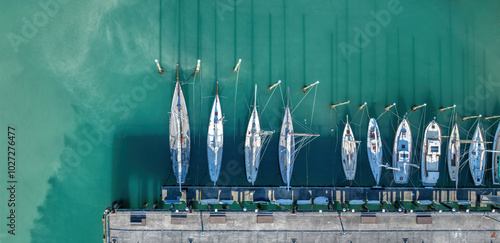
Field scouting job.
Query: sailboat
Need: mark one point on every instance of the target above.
(401, 155)
(454, 154)
(495, 168)
(286, 147)
(215, 139)
(431, 154)
(255, 140)
(179, 134)
(374, 149)
(477, 157)
(349, 152)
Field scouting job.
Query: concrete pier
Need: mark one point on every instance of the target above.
(229, 215)
(164, 226)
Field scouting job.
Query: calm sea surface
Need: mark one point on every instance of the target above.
(91, 113)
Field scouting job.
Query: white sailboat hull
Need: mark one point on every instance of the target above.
(374, 149)
(454, 153)
(402, 152)
(253, 146)
(477, 156)
(179, 135)
(349, 153)
(496, 157)
(431, 154)
(286, 148)
(215, 140)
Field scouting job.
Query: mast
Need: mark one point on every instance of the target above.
(179, 133)
(457, 150)
(457, 164)
(288, 142)
(288, 161)
(215, 121)
(287, 96)
(254, 132)
(216, 135)
(255, 98)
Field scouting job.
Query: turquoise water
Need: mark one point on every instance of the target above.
(80, 86)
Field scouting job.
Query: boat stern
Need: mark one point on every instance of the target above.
(430, 179)
(400, 178)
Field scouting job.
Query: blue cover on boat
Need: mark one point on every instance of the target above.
(284, 201)
(321, 200)
(302, 202)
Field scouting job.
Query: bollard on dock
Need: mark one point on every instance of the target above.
(198, 66)
(309, 86)
(387, 108)
(339, 104)
(415, 108)
(465, 118)
(491, 117)
(237, 67)
(197, 70)
(274, 85)
(447, 108)
(160, 69)
(361, 107)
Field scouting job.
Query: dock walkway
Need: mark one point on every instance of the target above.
(274, 214)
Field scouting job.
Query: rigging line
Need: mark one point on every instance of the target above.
(300, 101)
(191, 76)
(472, 127)
(203, 82)
(396, 114)
(267, 140)
(314, 103)
(340, 117)
(302, 126)
(420, 126)
(236, 84)
(331, 120)
(307, 165)
(367, 113)
(282, 100)
(337, 131)
(269, 121)
(302, 144)
(362, 116)
(267, 115)
(227, 80)
(381, 114)
(269, 99)
(234, 104)
(245, 98)
(241, 86)
(449, 132)
(305, 114)
(355, 183)
(486, 130)
(355, 115)
(194, 111)
(396, 109)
